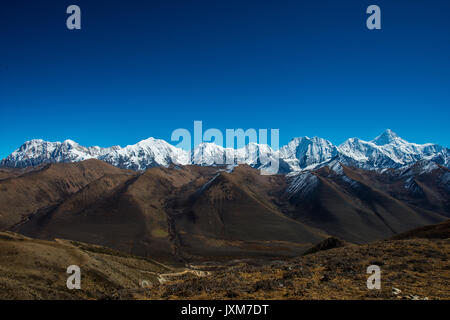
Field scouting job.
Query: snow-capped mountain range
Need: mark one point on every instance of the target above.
(386, 151)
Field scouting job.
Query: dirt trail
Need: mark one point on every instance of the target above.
(162, 277)
(165, 277)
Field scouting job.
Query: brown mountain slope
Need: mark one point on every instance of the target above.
(121, 211)
(36, 269)
(358, 206)
(198, 212)
(235, 214)
(428, 190)
(437, 231)
(9, 173)
(46, 186)
(187, 212)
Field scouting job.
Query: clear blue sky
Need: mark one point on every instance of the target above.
(144, 68)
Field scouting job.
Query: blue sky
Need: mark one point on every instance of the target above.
(144, 68)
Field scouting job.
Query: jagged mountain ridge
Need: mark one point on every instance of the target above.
(36, 152)
(392, 199)
(386, 151)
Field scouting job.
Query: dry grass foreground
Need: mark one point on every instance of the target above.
(418, 268)
(36, 269)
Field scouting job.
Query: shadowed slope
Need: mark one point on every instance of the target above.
(122, 212)
(194, 212)
(235, 213)
(360, 206)
(437, 231)
(44, 187)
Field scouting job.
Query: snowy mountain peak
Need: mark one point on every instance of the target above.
(387, 137)
(301, 154)
(37, 151)
(211, 154)
(146, 154)
(70, 142)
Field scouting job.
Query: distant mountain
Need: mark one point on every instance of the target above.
(303, 153)
(390, 151)
(190, 212)
(356, 204)
(146, 154)
(37, 152)
(386, 151)
(165, 212)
